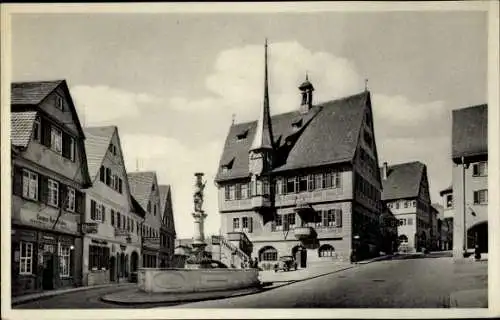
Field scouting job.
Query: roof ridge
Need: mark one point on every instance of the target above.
(99, 127)
(471, 107)
(38, 81)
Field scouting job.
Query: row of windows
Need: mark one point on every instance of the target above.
(289, 185)
(98, 258)
(331, 218)
(54, 138)
(271, 254)
(368, 162)
(363, 187)
(26, 258)
(402, 204)
(154, 206)
(110, 179)
(246, 224)
(37, 187)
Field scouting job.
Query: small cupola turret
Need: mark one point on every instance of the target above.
(306, 89)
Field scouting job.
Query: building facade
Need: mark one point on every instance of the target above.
(167, 230)
(470, 179)
(447, 215)
(303, 183)
(406, 194)
(144, 188)
(111, 243)
(49, 171)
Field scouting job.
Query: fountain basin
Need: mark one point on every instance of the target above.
(156, 280)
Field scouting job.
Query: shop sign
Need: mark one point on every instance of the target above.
(89, 227)
(121, 232)
(46, 221)
(152, 242)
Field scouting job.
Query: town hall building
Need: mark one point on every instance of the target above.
(303, 183)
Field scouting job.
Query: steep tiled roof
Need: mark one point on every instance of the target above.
(96, 144)
(163, 190)
(403, 180)
(31, 93)
(470, 131)
(21, 127)
(326, 135)
(140, 186)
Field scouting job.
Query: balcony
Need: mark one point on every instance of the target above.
(304, 233)
(260, 201)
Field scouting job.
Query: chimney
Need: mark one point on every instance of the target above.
(306, 89)
(384, 171)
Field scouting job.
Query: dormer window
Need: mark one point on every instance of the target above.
(242, 135)
(228, 166)
(297, 124)
(60, 103)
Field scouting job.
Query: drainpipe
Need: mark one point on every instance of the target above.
(464, 166)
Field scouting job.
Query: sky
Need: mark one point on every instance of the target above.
(172, 82)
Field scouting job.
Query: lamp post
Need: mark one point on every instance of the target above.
(464, 247)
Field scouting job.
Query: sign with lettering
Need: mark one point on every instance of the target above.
(46, 221)
(121, 232)
(90, 227)
(154, 242)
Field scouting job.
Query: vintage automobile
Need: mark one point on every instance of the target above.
(285, 263)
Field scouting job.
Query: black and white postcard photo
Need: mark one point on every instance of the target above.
(250, 160)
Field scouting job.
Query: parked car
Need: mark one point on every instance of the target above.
(285, 263)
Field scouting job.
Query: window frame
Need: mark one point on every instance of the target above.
(64, 261)
(56, 137)
(59, 103)
(477, 196)
(236, 224)
(477, 167)
(52, 186)
(30, 184)
(24, 259)
(37, 129)
(71, 203)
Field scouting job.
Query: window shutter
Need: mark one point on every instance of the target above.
(102, 174)
(338, 218)
(250, 224)
(108, 176)
(476, 197)
(66, 152)
(103, 213)
(45, 132)
(92, 209)
(63, 202)
(43, 186)
(120, 185)
(79, 205)
(17, 181)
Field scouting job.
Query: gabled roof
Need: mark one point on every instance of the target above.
(97, 143)
(140, 186)
(32, 93)
(470, 131)
(21, 127)
(328, 135)
(163, 190)
(403, 180)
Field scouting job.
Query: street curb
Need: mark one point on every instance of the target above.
(223, 295)
(22, 300)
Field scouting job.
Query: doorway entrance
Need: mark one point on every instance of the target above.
(134, 261)
(300, 255)
(112, 269)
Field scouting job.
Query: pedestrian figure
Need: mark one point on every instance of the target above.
(255, 263)
(477, 253)
(353, 256)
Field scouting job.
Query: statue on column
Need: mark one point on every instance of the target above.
(198, 192)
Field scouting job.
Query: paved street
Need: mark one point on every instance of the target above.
(419, 282)
(405, 282)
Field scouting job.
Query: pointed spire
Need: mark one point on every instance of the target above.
(264, 134)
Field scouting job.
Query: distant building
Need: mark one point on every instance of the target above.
(470, 179)
(144, 188)
(444, 228)
(167, 229)
(111, 226)
(406, 194)
(304, 183)
(49, 172)
(447, 218)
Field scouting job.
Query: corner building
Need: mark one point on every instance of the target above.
(304, 183)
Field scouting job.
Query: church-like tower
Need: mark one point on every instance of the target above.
(262, 150)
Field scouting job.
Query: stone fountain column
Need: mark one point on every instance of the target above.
(199, 217)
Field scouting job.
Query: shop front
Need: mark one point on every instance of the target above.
(42, 260)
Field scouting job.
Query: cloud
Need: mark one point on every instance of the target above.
(99, 104)
(175, 164)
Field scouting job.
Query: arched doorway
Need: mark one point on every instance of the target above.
(134, 261)
(268, 255)
(112, 268)
(300, 255)
(478, 235)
